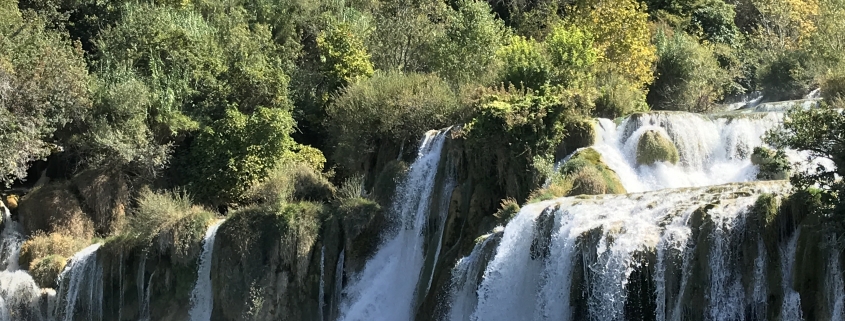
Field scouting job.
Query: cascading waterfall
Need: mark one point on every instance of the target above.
(385, 289)
(835, 287)
(322, 293)
(575, 258)
(202, 300)
(81, 287)
(144, 290)
(465, 277)
(713, 150)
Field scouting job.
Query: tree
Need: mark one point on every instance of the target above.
(572, 54)
(43, 88)
(467, 50)
(343, 56)
(525, 63)
(687, 77)
(622, 37)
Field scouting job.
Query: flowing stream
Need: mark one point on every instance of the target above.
(386, 288)
(202, 300)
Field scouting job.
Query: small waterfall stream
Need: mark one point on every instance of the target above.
(385, 289)
(80, 291)
(202, 300)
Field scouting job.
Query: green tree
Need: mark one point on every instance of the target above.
(525, 63)
(43, 89)
(572, 54)
(231, 154)
(687, 77)
(467, 50)
(343, 56)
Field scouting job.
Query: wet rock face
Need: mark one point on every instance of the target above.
(654, 146)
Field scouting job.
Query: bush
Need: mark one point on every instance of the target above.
(508, 209)
(388, 108)
(166, 222)
(45, 271)
(525, 63)
(688, 76)
(235, 152)
(41, 246)
(654, 146)
(618, 97)
(572, 53)
(833, 87)
(785, 77)
(772, 165)
(292, 181)
(467, 51)
(343, 56)
(512, 128)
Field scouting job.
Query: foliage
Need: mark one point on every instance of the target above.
(233, 153)
(41, 246)
(785, 77)
(292, 181)
(388, 108)
(343, 55)
(525, 63)
(833, 87)
(166, 222)
(618, 97)
(508, 209)
(467, 50)
(714, 20)
(43, 88)
(572, 54)
(512, 127)
(688, 77)
(622, 37)
(406, 34)
(772, 164)
(818, 131)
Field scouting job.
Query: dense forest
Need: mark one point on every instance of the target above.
(155, 116)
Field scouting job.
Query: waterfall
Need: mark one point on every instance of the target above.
(791, 308)
(81, 287)
(835, 288)
(11, 239)
(202, 299)
(465, 277)
(713, 149)
(338, 285)
(144, 291)
(385, 289)
(598, 248)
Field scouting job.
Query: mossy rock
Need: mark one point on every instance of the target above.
(45, 271)
(587, 173)
(363, 221)
(105, 196)
(655, 147)
(579, 134)
(387, 180)
(773, 165)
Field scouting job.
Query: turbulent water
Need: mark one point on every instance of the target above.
(202, 301)
(386, 288)
(80, 291)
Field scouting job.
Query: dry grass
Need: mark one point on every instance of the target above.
(45, 271)
(41, 246)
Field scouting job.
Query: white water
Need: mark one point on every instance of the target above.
(615, 227)
(465, 281)
(202, 300)
(385, 289)
(81, 287)
(712, 150)
(322, 291)
(791, 307)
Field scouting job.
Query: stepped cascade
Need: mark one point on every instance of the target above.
(698, 236)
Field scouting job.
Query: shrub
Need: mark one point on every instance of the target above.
(292, 181)
(572, 53)
(343, 56)
(508, 208)
(228, 157)
(688, 76)
(785, 77)
(833, 87)
(618, 97)
(45, 271)
(512, 128)
(467, 51)
(166, 222)
(388, 108)
(772, 165)
(42, 245)
(654, 146)
(525, 63)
